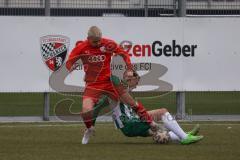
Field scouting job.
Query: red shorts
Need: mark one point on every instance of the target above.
(97, 89)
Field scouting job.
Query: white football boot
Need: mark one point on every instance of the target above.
(87, 133)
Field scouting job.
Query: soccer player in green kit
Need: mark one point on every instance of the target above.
(132, 125)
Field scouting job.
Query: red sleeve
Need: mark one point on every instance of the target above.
(142, 113)
(125, 55)
(74, 56)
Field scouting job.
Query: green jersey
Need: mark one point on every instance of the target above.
(129, 122)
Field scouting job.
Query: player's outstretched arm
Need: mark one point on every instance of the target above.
(126, 98)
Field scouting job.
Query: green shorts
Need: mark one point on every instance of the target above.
(134, 127)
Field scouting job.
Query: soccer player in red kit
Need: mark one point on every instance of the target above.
(96, 53)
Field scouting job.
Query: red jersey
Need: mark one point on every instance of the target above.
(97, 60)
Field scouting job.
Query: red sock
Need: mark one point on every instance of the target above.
(87, 119)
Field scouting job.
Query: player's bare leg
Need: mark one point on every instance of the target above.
(157, 114)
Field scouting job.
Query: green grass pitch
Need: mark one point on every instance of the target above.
(62, 141)
(31, 104)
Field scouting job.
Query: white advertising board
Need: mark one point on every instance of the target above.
(198, 54)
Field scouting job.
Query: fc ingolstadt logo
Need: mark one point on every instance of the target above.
(54, 50)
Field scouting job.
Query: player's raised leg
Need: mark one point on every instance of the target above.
(171, 124)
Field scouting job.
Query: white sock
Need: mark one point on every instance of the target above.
(173, 136)
(173, 126)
